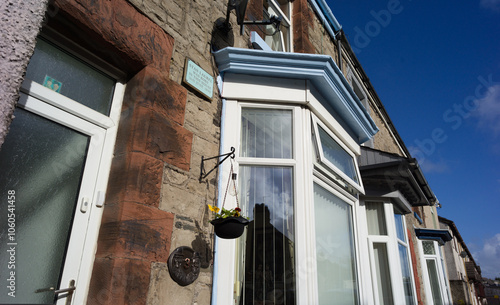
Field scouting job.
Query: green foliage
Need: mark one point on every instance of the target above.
(225, 213)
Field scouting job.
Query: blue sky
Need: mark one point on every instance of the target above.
(436, 67)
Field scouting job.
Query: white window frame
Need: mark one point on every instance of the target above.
(305, 174)
(392, 241)
(248, 90)
(444, 287)
(225, 273)
(56, 107)
(323, 160)
(339, 192)
(286, 22)
(406, 244)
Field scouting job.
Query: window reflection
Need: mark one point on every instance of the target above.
(267, 269)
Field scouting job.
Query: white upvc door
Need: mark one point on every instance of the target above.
(56, 160)
(87, 194)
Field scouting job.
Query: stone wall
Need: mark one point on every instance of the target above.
(154, 201)
(192, 25)
(321, 40)
(21, 22)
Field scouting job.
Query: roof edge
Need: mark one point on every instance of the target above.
(320, 70)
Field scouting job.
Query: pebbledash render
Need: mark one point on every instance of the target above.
(106, 119)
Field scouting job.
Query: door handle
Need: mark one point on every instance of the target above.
(56, 292)
(69, 289)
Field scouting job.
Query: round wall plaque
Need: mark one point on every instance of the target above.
(184, 265)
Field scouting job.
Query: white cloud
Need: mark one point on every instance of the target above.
(488, 109)
(491, 4)
(427, 165)
(434, 167)
(489, 257)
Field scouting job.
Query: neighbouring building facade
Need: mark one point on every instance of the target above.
(123, 120)
(492, 291)
(464, 274)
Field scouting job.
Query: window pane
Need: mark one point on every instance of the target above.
(266, 133)
(443, 272)
(43, 162)
(428, 247)
(71, 77)
(334, 153)
(400, 228)
(433, 277)
(269, 267)
(334, 249)
(376, 218)
(273, 37)
(405, 270)
(277, 40)
(383, 274)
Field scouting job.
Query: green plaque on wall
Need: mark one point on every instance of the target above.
(198, 79)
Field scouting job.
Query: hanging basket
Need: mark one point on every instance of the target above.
(230, 227)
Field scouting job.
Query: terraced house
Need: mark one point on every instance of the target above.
(123, 120)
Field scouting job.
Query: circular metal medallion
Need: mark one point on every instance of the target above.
(184, 265)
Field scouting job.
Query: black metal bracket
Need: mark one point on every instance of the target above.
(203, 173)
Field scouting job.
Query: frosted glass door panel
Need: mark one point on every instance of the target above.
(43, 163)
(70, 77)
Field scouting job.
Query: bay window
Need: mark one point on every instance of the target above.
(391, 271)
(297, 131)
(300, 245)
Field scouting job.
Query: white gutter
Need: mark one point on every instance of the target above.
(327, 18)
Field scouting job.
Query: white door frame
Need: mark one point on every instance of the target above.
(102, 131)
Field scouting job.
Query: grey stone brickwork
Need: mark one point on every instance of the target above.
(21, 22)
(383, 139)
(321, 39)
(191, 24)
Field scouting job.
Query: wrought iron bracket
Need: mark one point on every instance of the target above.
(203, 173)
